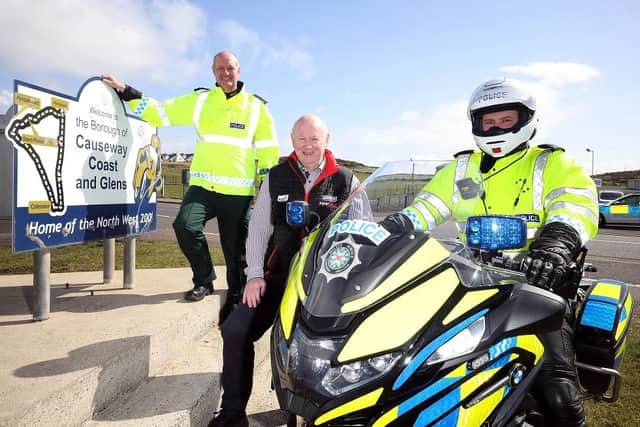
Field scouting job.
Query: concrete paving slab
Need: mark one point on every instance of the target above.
(184, 394)
(100, 341)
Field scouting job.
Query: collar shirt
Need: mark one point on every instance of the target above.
(260, 227)
(312, 175)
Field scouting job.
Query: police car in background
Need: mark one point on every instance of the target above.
(606, 196)
(624, 210)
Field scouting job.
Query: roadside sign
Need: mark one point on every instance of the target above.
(83, 169)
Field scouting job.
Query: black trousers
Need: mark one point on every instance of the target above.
(241, 329)
(199, 206)
(555, 387)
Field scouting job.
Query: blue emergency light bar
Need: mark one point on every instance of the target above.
(494, 232)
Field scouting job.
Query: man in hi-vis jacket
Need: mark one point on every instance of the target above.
(541, 184)
(236, 146)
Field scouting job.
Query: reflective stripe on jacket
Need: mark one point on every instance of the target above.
(539, 184)
(236, 139)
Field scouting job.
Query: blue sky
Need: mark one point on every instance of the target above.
(391, 79)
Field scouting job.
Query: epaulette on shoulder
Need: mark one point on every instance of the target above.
(462, 153)
(264, 101)
(201, 89)
(550, 147)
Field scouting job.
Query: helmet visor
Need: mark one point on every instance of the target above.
(500, 119)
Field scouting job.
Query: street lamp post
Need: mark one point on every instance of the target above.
(592, 153)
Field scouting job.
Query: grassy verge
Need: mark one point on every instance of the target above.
(161, 254)
(88, 257)
(626, 411)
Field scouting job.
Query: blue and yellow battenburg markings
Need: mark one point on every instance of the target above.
(622, 323)
(459, 416)
(499, 356)
(453, 399)
(624, 317)
(601, 306)
(424, 354)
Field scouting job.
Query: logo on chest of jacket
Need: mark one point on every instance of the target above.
(529, 217)
(283, 197)
(234, 125)
(328, 200)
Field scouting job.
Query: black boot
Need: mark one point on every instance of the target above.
(199, 291)
(229, 419)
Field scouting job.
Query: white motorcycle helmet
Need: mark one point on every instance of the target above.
(501, 95)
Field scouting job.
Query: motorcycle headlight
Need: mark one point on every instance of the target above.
(308, 361)
(351, 375)
(462, 343)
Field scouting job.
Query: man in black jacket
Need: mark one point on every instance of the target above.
(309, 174)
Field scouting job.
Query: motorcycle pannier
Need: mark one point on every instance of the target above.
(602, 323)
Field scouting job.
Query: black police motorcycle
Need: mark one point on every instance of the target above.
(380, 329)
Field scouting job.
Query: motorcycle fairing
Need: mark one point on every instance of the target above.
(396, 322)
(459, 387)
(428, 255)
(294, 290)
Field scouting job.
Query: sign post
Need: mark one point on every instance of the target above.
(84, 170)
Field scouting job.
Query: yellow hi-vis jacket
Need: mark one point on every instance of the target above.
(540, 184)
(236, 142)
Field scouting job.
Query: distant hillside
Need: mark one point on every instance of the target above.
(609, 179)
(618, 179)
(354, 165)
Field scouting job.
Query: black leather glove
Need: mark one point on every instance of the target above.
(129, 93)
(397, 223)
(551, 258)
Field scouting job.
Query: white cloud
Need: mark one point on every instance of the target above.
(6, 100)
(550, 82)
(409, 116)
(554, 73)
(434, 135)
(444, 130)
(90, 37)
(237, 34)
(242, 39)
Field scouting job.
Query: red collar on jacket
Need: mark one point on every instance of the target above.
(330, 165)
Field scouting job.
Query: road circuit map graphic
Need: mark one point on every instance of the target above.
(27, 142)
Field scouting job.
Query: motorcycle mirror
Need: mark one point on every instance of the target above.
(495, 232)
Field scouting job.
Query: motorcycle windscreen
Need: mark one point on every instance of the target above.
(355, 262)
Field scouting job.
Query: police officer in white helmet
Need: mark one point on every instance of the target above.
(539, 183)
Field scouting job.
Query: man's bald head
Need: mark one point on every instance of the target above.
(226, 55)
(226, 68)
(311, 120)
(310, 138)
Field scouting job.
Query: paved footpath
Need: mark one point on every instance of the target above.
(59, 365)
